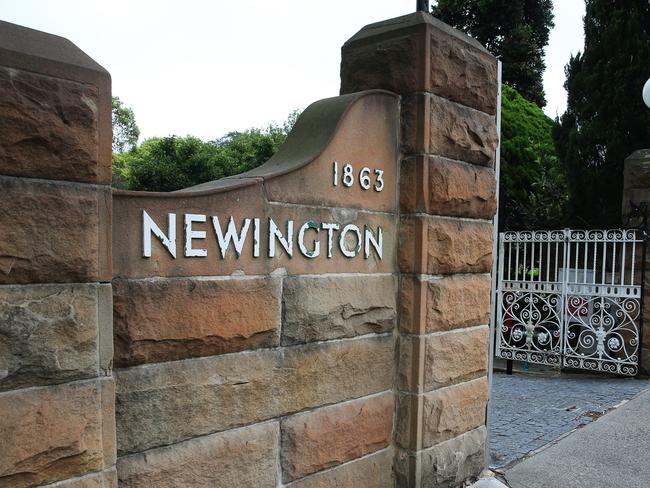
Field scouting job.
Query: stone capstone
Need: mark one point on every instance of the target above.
(49, 128)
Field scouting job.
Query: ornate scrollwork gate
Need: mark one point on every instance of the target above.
(571, 298)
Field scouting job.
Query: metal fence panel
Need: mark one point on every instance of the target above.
(570, 298)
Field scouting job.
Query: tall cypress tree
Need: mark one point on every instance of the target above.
(606, 119)
(514, 30)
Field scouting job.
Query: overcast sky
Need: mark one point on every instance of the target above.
(207, 67)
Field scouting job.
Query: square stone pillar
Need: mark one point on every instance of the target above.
(636, 192)
(448, 84)
(57, 422)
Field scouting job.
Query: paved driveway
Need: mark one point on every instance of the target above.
(612, 452)
(529, 411)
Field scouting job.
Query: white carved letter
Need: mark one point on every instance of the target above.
(194, 234)
(346, 252)
(274, 233)
(376, 243)
(149, 227)
(301, 240)
(231, 235)
(256, 238)
(330, 228)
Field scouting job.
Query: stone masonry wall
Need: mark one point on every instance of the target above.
(636, 190)
(293, 354)
(244, 370)
(448, 84)
(57, 420)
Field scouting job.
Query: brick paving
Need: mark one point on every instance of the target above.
(530, 410)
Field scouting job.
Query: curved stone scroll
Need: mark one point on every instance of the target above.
(326, 202)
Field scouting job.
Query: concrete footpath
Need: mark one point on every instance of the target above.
(612, 452)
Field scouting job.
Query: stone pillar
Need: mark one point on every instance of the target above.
(57, 422)
(636, 192)
(448, 83)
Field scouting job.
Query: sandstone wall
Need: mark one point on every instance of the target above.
(448, 84)
(242, 369)
(57, 420)
(319, 321)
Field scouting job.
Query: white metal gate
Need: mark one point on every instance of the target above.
(570, 298)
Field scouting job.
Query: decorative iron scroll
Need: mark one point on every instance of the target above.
(570, 298)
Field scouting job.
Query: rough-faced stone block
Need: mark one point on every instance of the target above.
(238, 458)
(328, 307)
(434, 245)
(446, 465)
(53, 232)
(434, 125)
(418, 53)
(164, 403)
(463, 73)
(49, 128)
(62, 431)
(449, 357)
(373, 471)
(441, 304)
(168, 319)
(49, 334)
(446, 413)
(329, 436)
(440, 186)
(391, 64)
(103, 479)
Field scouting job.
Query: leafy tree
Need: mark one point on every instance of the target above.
(514, 30)
(172, 163)
(605, 119)
(125, 130)
(532, 190)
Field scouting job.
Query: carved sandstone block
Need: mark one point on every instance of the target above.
(373, 471)
(449, 357)
(63, 431)
(329, 436)
(450, 130)
(417, 53)
(440, 304)
(168, 319)
(53, 232)
(164, 403)
(446, 413)
(434, 245)
(445, 465)
(440, 186)
(103, 479)
(238, 458)
(51, 333)
(49, 128)
(327, 307)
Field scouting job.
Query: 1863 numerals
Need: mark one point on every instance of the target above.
(365, 176)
